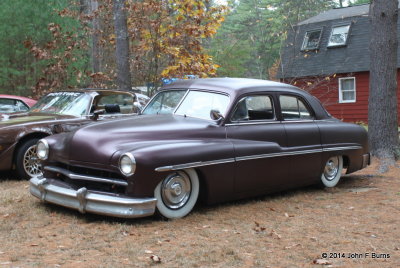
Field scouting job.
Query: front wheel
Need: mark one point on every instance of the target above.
(332, 171)
(177, 194)
(26, 162)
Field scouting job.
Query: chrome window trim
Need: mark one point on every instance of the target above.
(252, 157)
(74, 176)
(252, 123)
(297, 121)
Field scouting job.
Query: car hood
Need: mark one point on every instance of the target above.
(25, 119)
(99, 142)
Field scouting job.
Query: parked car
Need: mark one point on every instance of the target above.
(14, 104)
(226, 139)
(54, 113)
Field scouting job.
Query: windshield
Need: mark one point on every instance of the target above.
(200, 103)
(67, 103)
(164, 102)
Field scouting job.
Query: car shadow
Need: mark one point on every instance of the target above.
(7, 175)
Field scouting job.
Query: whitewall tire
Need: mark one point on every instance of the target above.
(332, 171)
(177, 194)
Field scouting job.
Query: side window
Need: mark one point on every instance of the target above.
(116, 103)
(254, 108)
(294, 108)
(21, 107)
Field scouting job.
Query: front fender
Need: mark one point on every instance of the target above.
(212, 159)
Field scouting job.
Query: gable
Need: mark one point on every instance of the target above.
(325, 60)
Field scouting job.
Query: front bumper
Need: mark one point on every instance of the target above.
(93, 202)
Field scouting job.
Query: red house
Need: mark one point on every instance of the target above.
(328, 56)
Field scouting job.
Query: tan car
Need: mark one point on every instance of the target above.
(54, 113)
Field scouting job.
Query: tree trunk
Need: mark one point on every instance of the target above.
(94, 5)
(122, 46)
(382, 107)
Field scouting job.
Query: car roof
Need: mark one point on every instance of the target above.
(232, 86)
(26, 100)
(236, 87)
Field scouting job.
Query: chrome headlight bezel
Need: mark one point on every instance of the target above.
(127, 164)
(42, 149)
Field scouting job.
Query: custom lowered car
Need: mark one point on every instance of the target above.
(14, 104)
(54, 113)
(226, 139)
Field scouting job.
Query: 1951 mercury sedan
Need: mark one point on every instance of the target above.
(226, 139)
(54, 113)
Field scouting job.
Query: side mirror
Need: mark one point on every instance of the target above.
(96, 114)
(216, 116)
(137, 107)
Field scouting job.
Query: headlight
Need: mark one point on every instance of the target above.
(127, 164)
(42, 149)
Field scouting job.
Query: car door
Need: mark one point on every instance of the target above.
(258, 138)
(303, 139)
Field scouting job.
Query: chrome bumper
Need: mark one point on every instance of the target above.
(366, 160)
(92, 202)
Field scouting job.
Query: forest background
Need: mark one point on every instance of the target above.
(48, 45)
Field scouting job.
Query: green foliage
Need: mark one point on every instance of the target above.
(359, 2)
(249, 42)
(22, 20)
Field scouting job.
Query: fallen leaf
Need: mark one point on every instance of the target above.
(34, 245)
(292, 246)
(148, 251)
(322, 262)
(155, 258)
(286, 215)
(275, 234)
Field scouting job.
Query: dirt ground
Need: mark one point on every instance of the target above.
(353, 225)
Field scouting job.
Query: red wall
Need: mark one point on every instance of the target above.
(326, 89)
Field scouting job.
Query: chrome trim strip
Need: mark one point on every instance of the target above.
(195, 164)
(259, 156)
(85, 200)
(251, 157)
(75, 176)
(341, 148)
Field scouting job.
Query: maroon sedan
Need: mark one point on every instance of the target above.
(14, 104)
(205, 139)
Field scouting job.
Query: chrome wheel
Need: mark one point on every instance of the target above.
(31, 162)
(177, 194)
(175, 190)
(331, 168)
(332, 171)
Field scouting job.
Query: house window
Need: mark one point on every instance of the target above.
(347, 89)
(311, 40)
(339, 36)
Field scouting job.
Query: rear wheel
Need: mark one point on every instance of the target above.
(26, 161)
(177, 194)
(332, 171)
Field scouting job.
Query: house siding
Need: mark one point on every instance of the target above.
(326, 89)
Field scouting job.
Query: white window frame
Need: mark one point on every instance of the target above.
(347, 35)
(341, 91)
(306, 39)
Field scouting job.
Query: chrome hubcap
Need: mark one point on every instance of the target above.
(175, 190)
(331, 168)
(31, 163)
